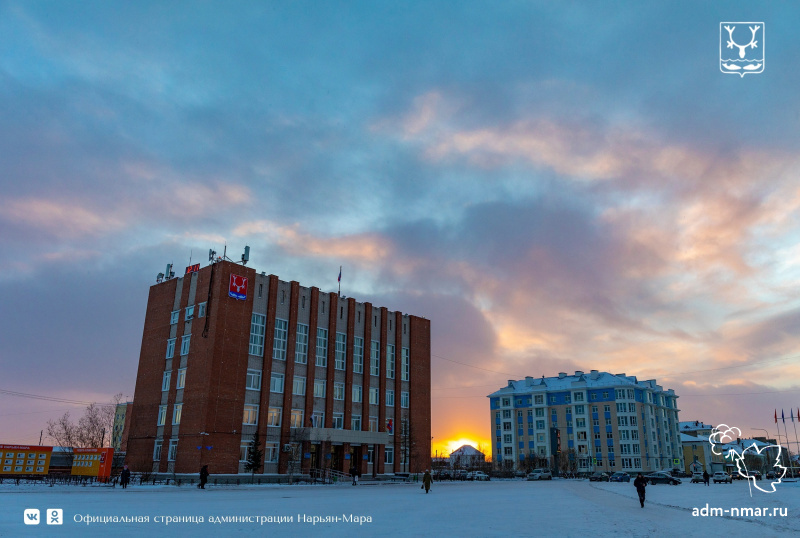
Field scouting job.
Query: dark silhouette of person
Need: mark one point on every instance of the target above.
(125, 477)
(640, 483)
(203, 477)
(706, 477)
(427, 479)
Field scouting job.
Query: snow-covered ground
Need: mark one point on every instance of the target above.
(496, 508)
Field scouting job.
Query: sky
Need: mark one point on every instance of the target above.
(557, 186)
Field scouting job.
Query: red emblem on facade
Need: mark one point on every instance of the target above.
(238, 287)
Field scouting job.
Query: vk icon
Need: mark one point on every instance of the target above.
(31, 516)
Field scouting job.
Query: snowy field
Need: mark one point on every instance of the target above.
(496, 508)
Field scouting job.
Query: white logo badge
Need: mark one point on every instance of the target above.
(741, 48)
(55, 516)
(31, 516)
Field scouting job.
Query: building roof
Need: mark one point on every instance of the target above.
(688, 438)
(693, 425)
(594, 379)
(466, 450)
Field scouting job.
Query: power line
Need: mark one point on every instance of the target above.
(52, 398)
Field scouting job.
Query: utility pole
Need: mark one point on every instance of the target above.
(40, 437)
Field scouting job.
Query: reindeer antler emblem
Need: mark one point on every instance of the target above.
(731, 43)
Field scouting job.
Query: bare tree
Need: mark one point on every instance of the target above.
(93, 429)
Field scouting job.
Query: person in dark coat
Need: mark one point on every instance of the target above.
(427, 479)
(353, 473)
(125, 477)
(640, 483)
(203, 477)
(706, 477)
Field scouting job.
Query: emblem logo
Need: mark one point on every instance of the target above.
(31, 516)
(741, 48)
(723, 443)
(238, 287)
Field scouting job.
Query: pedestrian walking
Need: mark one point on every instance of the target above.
(203, 477)
(706, 477)
(353, 473)
(125, 477)
(640, 483)
(427, 479)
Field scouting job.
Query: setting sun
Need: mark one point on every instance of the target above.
(445, 447)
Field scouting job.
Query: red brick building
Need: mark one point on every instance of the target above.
(321, 380)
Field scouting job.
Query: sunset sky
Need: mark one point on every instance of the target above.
(558, 186)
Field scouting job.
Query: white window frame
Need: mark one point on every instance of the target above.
(170, 348)
(165, 380)
(358, 355)
(157, 450)
(277, 382)
(338, 421)
(279, 340)
(189, 314)
(174, 316)
(338, 391)
(319, 388)
(274, 416)
(355, 422)
(271, 453)
(388, 455)
(186, 341)
(181, 381)
(250, 414)
(258, 324)
(374, 395)
(296, 418)
(253, 379)
(299, 385)
(358, 393)
(404, 399)
(173, 450)
(405, 365)
(162, 415)
(375, 358)
(177, 411)
(318, 419)
(390, 361)
(322, 347)
(201, 310)
(340, 362)
(301, 344)
(389, 398)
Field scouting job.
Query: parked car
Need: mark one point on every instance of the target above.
(662, 477)
(599, 477)
(477, 475)
(620, 477)
(756, 475)
(721, 476)
(540, 474)
(697, 478)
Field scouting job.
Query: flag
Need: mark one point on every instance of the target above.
(783, 419)
(340, 273)
(776, 416)
(791, 414)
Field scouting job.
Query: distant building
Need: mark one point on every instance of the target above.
(321, 381)
(696, 428)
(119, 436)
(586, 422)
(465, 457)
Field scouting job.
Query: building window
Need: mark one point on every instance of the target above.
(181, 378)
(390, 360)
(176, 413)
(540, 424)
(338, 391)
(296, 420)
(173, 450)
(162, 415)
(322, 347)
(257, 327)
(404, 364)
(388, 455)
(189, 313)
(319, 388)
(253, 381)
(373, 396)
(578, 396)
(580, 422)
(170, 347)
(201, 310)
(301, 347)
(185, 344)
(318, 419)
(389, 398)
(508, 438)
(580, 409)
(274, 416)
(165, 380)
(404, 399)
(276, 383)
(271, 452)
(338, 421)
(341, 351)
(244, 451)
(606, 408)
(355, 422)
(371, 454)
(250, 414)
(605, 394)
(540, 412)
(357, 393)
(279, 344)
(299, 386)
(173, 317)
(157, 450)
(358, 355)
(508, 451)
(375, 358)
(373, 424)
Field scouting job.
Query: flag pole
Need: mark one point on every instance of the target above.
(796, 443)
(340, 281)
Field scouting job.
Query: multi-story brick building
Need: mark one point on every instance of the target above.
(586, 422)
(119, 437)
(320, 380)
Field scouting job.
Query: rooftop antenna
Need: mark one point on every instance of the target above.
(246, 255)
(211, 255)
